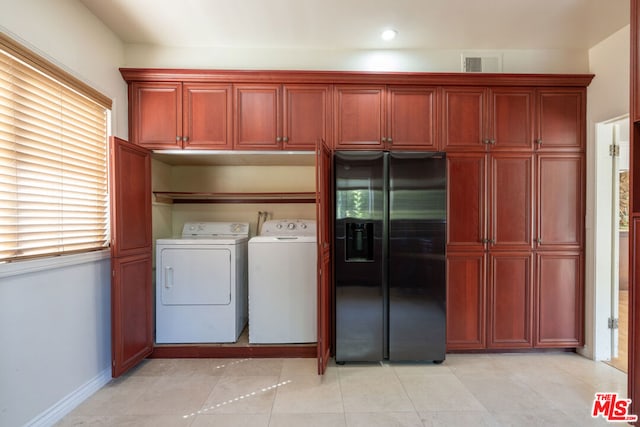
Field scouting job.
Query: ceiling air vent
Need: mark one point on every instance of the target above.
(475, 63)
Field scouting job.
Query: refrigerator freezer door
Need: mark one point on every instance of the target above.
(417, 226)
(360, 200)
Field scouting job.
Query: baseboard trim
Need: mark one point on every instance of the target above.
(64, 406)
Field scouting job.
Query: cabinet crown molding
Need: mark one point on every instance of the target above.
(355, 77)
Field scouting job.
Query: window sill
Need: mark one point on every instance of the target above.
(31, 266)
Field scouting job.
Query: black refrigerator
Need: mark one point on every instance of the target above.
(390, 237)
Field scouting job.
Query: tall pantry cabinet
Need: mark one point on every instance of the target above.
(516, 217)
(515, 147)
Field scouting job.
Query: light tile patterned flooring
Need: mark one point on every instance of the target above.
(548, 389)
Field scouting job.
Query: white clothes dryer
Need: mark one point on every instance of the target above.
(201, 284)
(283, 283)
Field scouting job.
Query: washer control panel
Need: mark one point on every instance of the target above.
(289, 227)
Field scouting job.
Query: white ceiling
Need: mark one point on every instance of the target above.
(357, 24)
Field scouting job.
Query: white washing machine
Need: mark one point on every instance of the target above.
(201, 284)
(282, 283)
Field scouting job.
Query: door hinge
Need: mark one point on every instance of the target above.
(612, 323)
(614, 150)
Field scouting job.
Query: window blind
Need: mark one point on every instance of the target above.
(53, 165)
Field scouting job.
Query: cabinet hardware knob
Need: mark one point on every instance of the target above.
(185, 138)
(390, 140)
(485, 240)
(539, 141)
(278, 139)
(384, 139)
(285, 139)
(492, 141)
(178, 138)
(485, 141)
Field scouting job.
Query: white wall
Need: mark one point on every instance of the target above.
(54, 323)
(514, 61)
(607, 98)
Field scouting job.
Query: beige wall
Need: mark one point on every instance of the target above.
(168, 219)
(415, 60)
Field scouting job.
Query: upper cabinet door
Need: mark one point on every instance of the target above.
(560, 120)
(306, 114)
(208, 118)
(560, 207)
(412, 118)
(257, 117)
(130, 192)
(155, 115)
(511, 119)
(463, 121)
(360, 112)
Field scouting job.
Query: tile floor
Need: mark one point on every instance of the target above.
(550, 389)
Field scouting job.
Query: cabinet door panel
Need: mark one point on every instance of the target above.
(560, 301)
(131, 312)
(466, 201)
(511, 196)
(560, 209)
(412, 118)
(130, 197)
(465, 301)
(359, 117)
(306, 116)
(561, 119)
(464, 118)
(509, 300)
(511, 125)
(207, 116)
(156, 114)
(257, 118)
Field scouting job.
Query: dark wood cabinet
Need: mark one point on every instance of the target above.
(511, 118)
(488, 119)
(463, 118)
(131, 255)
(307, 116)
(208, 118)
(176, 115)
(412, 121)
(381, 117)
(509, 300)
(466, 201)
(561, 119)
(560, 201)
(511, 201)
(466, 301)
(155, 115)
(559, 299)
(276, 117)
(360, 113)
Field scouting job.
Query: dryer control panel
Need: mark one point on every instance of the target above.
(215, 229)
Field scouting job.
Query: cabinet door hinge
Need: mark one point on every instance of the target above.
(614, 150)
(612, 323)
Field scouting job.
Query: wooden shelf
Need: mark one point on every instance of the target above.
(195, 197)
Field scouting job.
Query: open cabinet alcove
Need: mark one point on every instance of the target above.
(199, 186)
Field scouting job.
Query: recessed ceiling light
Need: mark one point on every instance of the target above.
(389, 34)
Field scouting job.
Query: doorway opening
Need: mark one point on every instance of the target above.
(612, 242)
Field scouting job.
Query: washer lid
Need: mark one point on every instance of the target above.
(283, 239)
